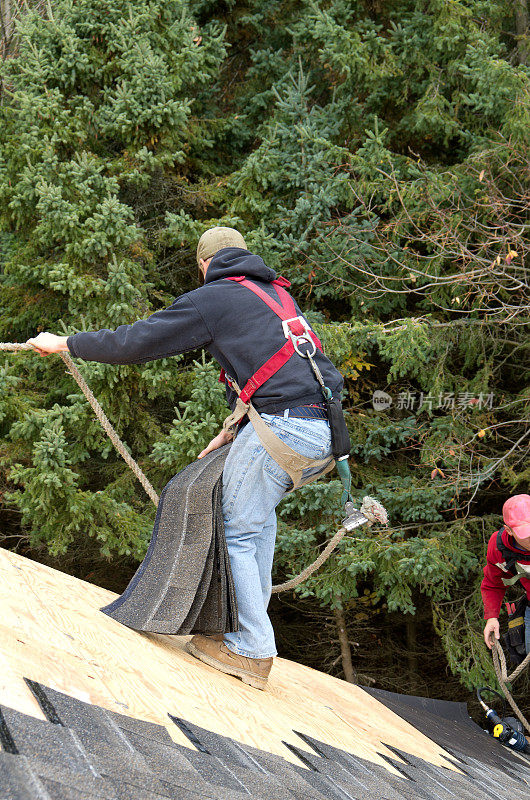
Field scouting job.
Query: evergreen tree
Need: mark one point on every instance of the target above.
(103, 105)
(374, 153)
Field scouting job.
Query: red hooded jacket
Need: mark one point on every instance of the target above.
(492, 586)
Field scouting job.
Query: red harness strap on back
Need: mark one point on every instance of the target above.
(285, 310)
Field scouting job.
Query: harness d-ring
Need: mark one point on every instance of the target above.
(299, 340)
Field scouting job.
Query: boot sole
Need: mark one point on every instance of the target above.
(247, 677)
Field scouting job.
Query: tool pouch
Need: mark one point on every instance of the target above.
(340, 438)
(514, 639)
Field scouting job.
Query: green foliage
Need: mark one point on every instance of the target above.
(198, 421)
(395, 564)
(459, 623)
(369, 152)
(55, 511)
(460, 628)
(100, 109)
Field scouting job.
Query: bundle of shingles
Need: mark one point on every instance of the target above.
(184, 584)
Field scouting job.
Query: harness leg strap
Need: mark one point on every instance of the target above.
(237, 414)
(288, 459)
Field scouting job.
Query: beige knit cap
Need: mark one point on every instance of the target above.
(215, 239)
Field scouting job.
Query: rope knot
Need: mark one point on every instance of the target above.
(373, 510)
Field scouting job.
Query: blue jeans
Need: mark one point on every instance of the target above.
(527, 628)
(253, 485)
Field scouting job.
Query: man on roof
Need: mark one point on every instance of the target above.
(242, 332)
(508, 562)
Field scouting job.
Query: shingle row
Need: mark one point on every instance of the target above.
(83, 752)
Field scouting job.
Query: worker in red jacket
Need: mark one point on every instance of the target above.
(508, 561)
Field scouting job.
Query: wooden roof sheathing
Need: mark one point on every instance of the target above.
(56, 648)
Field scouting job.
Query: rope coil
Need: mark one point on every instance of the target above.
(370, 508)
(499, 663)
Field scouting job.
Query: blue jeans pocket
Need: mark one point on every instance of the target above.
(310, 438)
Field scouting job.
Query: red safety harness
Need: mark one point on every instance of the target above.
(295, 328)
(299, 335)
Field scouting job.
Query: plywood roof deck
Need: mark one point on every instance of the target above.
(52, 632)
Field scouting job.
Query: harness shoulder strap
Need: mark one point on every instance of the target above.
(286, 311)
(510, 558)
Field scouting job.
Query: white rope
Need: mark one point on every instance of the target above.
(100, 414)
(499, 662)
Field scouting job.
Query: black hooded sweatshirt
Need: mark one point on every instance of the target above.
(239, 330)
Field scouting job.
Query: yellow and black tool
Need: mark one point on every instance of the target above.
(503, 728)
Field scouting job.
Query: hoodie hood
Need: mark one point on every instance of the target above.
(231, 262)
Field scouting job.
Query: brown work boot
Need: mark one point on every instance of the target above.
(215, 653)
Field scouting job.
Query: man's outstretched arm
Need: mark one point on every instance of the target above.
(173, 330)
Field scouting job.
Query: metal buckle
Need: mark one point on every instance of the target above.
(285, 325)
(304, 338)
(354, 519)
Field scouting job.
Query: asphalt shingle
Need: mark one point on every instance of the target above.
(83, 752)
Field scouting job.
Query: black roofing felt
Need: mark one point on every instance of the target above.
(431, 718)
(84, 752)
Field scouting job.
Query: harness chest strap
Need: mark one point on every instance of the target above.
(511, 563)
(520, 572)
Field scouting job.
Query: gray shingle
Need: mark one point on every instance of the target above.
(214, 771)
(89, 753)
(17, 781)
(48, 743)
(60, 791)
(92, 784)
(164, 760)
(95, 730)
(179, 793)
(296, 780)
(184, 584)
(261, 785)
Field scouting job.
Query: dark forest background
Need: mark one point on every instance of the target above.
(375, 153)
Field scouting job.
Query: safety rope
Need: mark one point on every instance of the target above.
(325, 554)
(100, 414)
(499, 662)
(367, 508)
(370, 508)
